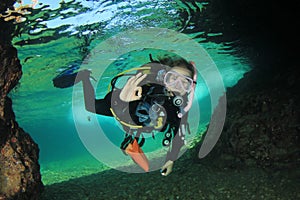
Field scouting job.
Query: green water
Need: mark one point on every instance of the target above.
(54, 37)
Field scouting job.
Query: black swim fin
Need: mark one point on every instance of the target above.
(65, 80)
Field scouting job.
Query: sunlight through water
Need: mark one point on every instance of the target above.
(59, 34)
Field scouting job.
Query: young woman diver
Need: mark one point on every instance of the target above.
(155, 99)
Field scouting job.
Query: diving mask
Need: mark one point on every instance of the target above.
(174, 79)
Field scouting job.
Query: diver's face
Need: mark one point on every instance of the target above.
(178, 79)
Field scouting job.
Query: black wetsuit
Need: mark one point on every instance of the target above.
(157, 94)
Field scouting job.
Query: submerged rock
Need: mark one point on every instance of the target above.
(19, 173)
(20, 176)
(262, 123)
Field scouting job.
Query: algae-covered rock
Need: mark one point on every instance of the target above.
(20, 176)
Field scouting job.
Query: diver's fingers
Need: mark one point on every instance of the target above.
(138, 92)
(163, 170)
(164, 166)
(167, 168)
(135, 80)
(164, 174)
(168, 163)
(140, 78)
(166, 171)
(131, 80)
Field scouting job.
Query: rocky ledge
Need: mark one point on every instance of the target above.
(20, 176)
(262, 122)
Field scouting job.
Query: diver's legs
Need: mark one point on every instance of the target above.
(88, 90)
(99, 106)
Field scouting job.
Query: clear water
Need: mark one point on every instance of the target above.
(58, 34)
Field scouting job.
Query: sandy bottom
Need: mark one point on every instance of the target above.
(189, 180)
(60, 171)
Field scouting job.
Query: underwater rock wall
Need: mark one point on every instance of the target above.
(20, 176)
(262, 123)
(263, 111)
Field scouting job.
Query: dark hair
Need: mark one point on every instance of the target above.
(173, 61)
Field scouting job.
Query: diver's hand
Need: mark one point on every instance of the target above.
(167, 168)
(131, 91)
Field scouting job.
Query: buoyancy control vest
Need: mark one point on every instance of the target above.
(156, 111)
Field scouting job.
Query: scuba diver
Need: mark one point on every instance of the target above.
(155, 99)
